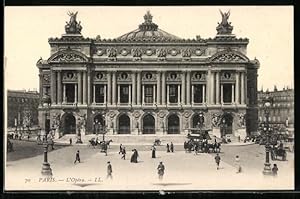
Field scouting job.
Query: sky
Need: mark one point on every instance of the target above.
(268, 28)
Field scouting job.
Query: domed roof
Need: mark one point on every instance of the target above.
(148, 31)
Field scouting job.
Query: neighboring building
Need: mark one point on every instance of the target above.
(22, 108)
(282, 110)
(149, 82)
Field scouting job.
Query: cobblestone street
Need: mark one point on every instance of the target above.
(193, 172)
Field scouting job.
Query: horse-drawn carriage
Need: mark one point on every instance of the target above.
(94, 142)
(200, 141)
(277, 152)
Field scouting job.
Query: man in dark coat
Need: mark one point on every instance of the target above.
(153, 151)
(121, 149)
(172, 147)
(77, 157)
(70, 141)
(123, 153)
(160, 171)
(134, 156)
(168, 148)
(109, 171)
(217, 159)
(275, 169)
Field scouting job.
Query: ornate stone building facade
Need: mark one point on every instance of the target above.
(149, 82)
(22, 108)
(282, 110)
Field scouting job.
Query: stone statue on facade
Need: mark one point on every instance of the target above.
(215, 120)
(73, 27)
(242, 120)
(224, 27)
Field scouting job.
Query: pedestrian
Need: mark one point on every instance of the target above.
(275, 169)
(172, 147)
(218, 159)
(28, 136)
(105, 148)
(239, 138)
(109, 170)
(70, 141)
(123, 153)
(120, 152)
(161, 170)
(168, 148)
(196, 148)
(238, 165)
(153, 151)
(77, 157)
(134, 156)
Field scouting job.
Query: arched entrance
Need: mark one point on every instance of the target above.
(173, 124)
(69, 124)
(148, 124)
(226, 124)
(98, 124)
(198, 120)
(124, 124)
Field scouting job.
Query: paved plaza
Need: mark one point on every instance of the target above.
(183, 170)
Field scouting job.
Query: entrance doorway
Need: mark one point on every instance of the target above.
(69, 124)
(173, 124)
(99, 124)
(148, 124)
(124, 124)
(198, 121)
(226, 124)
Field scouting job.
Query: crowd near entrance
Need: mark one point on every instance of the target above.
(226, 124)
(148, 124)
(69, 123)
(124, 124)
(173, 124)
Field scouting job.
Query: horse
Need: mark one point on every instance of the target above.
(93, 142)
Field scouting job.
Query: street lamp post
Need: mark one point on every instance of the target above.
(79, 141)
(46, 169)
(267, 130)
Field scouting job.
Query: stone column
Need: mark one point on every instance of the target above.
(232, 93)
(79, 88)
(243, 88)
(163, 90)
(94, 94)
(129, 93)
(179, 93)
(154, 95)
(89, 84)
(188, 87)
(105, 95)
(114, 87)
(212, 92)
(222, 101)
(119, 93)
(138, 89)
(59, 90)
(183, 81)
(143, 94)
(203, 93)
(209, 89)
(64, 94)
(133, 88)
(158, 102)
(168, 90)
(108, 87)
(217, 87)
(84, 88)
(75, 88)
(237, 88)
(192, 93)
(53, 87)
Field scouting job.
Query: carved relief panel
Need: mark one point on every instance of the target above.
(173, 77)
(149, 77)
(100, 77)
(69, 76)
(198, 77)
(124, 77)
(227, 76)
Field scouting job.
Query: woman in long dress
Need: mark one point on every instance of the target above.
(134, 156)
(153, 151)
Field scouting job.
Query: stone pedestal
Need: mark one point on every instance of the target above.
(241, 132)
(216, 132)
(159, 132)
(135, 131)
(110, 131)
(56, 134)
(82, 131)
